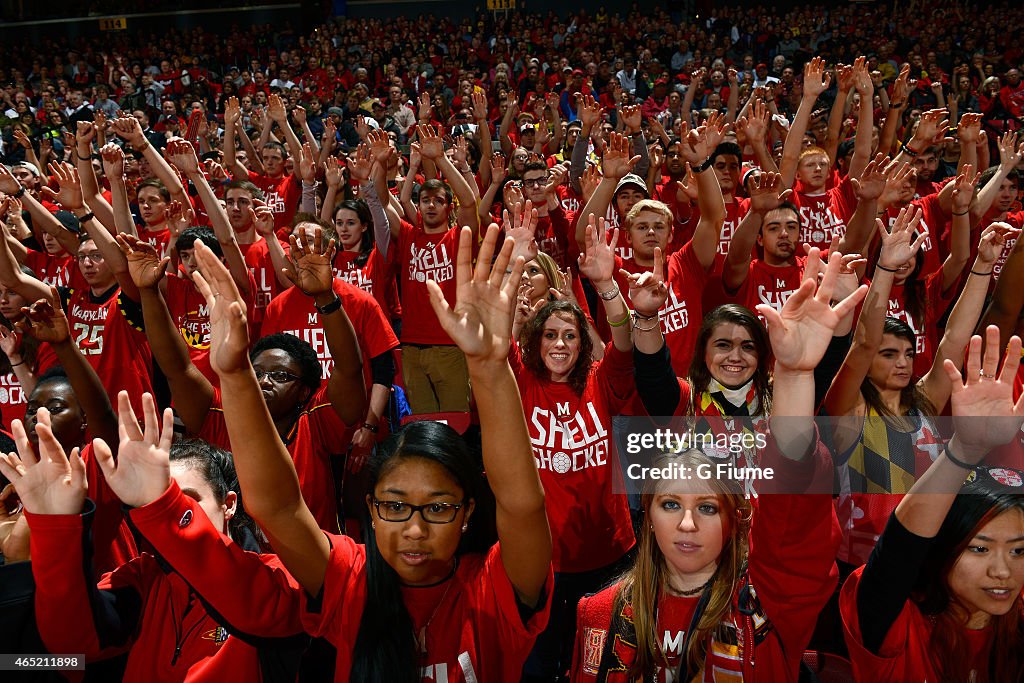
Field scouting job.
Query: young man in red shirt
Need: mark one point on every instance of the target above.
(434, 369)
(281, 191)
(824, 212)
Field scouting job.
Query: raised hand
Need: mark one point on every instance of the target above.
(229, 334)
(963, 190)
(362, 127)
(50, 484)
(311, 264)
(898, 244)
(872, 180)
(618, 160)
(334, 173)
(307, 165)
(862, 78)
(648, 291)
(128, 129)
(180, 217)
(360, 165)
(969, 129)
(182, 155)
(847, 281)
(10, 344)
(44, 321)
(431, 144)
(686, 189)
(984, 414)
(232, 112)
(479, 105)
(276, 110)
(426, 110)
(8, 183)
(589, 111)
(22, 139)
(14, 531)
(901, 88)
(521, 227)
(590, 180)
(699, 144)
(70, 194)
(142, 472)
(992, 242)
(113, 162)
(657, 155)
(896, 177)
(845, 75)
(816, 78)
(931, 130)
(1010, 154)
(460, 152)
(145, 266)
(768, 192)
(801, 332)
(299, 115)
(597, 262)
(631, 118)
(498, 171)
(263, 219)
(380, 145)
(480, 323)
(85, 133)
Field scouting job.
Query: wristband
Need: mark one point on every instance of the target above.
(706, 165)
(638, 326)
(619, 323)
(974, 272)
(888, 270)
(956, 461)
(14, 365)
(20, 192)
(909, 151)
(329, 308)
(897, 105)
(638, 314)
(611, 294)
(86, 217)
(963, 213)
(371, 428)
(81, 158)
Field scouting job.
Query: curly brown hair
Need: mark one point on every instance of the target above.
(533, 331)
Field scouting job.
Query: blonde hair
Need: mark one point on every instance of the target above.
(643, 582)
(652, 205)
(550, 270)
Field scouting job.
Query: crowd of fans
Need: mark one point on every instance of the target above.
(312, 345)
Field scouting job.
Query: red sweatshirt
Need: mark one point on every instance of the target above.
(138, 607)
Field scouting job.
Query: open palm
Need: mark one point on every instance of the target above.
(801, 332)
(229, 336)
(480, 323)
(311, 264)
(143, 469)
(50, 484)
(144, 265)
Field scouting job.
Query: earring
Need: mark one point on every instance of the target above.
(373, 525)
(465, 527)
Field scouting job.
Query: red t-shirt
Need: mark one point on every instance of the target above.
(555, 237)
(282, 195)
(375, 277)
(295, 313)
(824, 216)
(158, 240)
(317, 437)
(571, 437)
(906, 653)
(257, 259)
(771, 285)
(1016, 219)
(51, 270)
(423, 257)
(927, 331)
(116, 349)
(475, 630)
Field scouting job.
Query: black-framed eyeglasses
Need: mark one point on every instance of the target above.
(432, 513)
(276, 376)
(536, 182)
